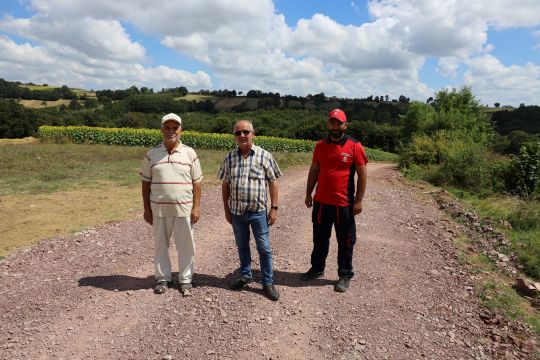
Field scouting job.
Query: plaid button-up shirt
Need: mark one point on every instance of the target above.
(248, 178)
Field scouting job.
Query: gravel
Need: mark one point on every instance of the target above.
(89, 295)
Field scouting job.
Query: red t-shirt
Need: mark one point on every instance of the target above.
(337, 166)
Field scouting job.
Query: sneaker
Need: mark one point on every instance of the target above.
(271, 292)
(161, 286)
(311, 274)
(185, 289)
(342, 285)
(241, 282)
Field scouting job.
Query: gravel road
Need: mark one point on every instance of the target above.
(89, 295)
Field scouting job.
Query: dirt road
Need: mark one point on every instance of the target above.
(89, 295)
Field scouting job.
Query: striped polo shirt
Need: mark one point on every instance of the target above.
(171, 177)
(248, 178)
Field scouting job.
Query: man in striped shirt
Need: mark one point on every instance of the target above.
(247, 171)
(171, 191)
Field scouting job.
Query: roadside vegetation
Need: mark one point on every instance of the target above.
(450, 143)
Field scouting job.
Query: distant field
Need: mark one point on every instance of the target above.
(34, 104)
(39, 87)
(84, 92)
(50, 189)
(191, 97)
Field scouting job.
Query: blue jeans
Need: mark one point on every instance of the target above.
(261, 232)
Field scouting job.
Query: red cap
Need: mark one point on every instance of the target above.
(337, 114)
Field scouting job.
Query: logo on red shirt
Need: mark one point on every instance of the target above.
(346, 156)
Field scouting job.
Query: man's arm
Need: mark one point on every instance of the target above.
(226, 192)
(274, 201)
(361, 171)
(196, 209)
(311, 181)
(146, 202)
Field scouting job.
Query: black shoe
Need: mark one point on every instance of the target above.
(311, 275)
(162, 286)
(342, 285)
(271, 292)
(241, 282)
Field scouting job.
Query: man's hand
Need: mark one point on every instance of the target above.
(357, 207)
(195, 214)
(309, 201)
(148, 216)
(228, 216)
(272, 217)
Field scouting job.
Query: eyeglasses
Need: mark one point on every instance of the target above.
(239, 132)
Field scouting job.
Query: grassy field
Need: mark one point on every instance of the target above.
(191, 97)
(39, 87)
(50, 189)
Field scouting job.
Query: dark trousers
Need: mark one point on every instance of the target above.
(342, 218)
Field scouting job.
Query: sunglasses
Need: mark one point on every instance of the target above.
(239, 132)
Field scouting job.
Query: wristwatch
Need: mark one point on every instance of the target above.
(274, 207)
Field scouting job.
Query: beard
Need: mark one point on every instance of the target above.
(336, 134)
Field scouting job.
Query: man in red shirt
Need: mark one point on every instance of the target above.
(336, 160)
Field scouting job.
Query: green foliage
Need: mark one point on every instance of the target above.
(449, 138)
(14, 120)
(524, 176)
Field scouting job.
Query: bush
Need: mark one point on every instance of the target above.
(525, 172)
(422, 150)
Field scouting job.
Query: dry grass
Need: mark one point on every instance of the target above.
(48, 190)
(191, 97)
(26, 140)
(25, 219)
(40, 104)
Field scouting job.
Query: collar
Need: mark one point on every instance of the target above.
(177, 149)
(342, 141)
(251, 152)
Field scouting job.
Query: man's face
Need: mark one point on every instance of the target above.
(171, 131)
(336, 128)
(244, 134)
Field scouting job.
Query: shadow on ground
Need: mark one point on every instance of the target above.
(130, 283)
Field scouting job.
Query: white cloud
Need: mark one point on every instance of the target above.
(247, 45)
(41, 64)
(448, 66)
(493, 82)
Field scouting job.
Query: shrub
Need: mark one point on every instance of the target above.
(525, 171)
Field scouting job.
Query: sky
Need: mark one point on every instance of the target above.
(341, 48)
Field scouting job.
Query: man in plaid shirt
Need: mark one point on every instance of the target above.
(247, 171)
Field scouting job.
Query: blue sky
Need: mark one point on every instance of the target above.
(342, 48)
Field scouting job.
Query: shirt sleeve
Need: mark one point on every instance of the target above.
(360, 157)
(272, 169)
(196, 172)
(146, 171)
(223, 172)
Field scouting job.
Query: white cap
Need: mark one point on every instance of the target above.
(172, 117)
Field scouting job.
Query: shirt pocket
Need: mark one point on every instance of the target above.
(256, 173)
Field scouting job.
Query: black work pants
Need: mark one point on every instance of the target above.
(342, 218)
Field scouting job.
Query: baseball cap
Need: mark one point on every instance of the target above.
(337, 114)
(172, 117)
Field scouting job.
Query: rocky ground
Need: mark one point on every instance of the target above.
(89, 295)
